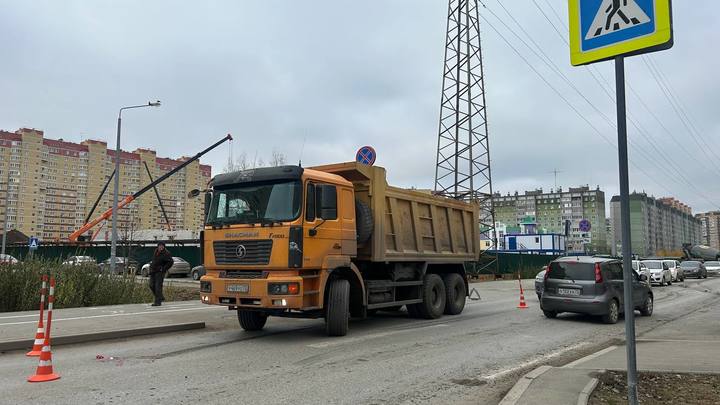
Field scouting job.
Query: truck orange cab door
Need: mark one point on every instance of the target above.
(322, 236)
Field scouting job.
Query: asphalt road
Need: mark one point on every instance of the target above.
(471, 358)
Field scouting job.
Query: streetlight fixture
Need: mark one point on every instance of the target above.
(116, 185)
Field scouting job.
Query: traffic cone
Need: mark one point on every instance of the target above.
(44, 370)
(522, 304)
(40, 334)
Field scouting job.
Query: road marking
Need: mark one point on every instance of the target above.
(590, 357)
(534, 362)
(117, 314)
(678, 340)
(331, 343)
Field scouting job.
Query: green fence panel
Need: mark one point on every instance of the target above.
(142, 254)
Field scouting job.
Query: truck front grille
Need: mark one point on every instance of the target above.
(242, 274)
(251, 252)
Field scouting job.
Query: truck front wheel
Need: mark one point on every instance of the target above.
(337, 309)
(454, 293)
(251, 320)
(433, 294)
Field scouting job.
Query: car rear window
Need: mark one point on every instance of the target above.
(712, 263)
(654, 265)
(690, 265)
(572, 271)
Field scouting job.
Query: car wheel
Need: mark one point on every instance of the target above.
(550, 314)
(196, 275)
(251, 320)
(647, 308)
(613, 312)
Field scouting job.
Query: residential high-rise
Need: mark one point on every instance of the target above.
(540, 212)
(54, 183)
(657, 226)
(710, 225)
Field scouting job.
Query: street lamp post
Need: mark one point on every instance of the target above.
(116, 185)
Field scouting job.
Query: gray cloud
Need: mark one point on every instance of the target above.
(337, 75)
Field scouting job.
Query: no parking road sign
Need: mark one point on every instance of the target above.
(604, 29)
(366, 155)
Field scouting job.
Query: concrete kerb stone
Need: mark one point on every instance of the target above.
(584, 396)
(512, 397)
(105, 335)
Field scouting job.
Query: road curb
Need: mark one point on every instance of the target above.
(584, 396)
(106, 335)
(513, 396)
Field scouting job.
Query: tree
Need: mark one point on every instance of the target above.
(277, 159)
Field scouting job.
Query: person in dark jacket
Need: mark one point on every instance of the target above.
(161, 262)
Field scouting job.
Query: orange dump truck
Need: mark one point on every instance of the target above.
(332, 242)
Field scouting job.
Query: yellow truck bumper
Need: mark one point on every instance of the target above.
(226, 292)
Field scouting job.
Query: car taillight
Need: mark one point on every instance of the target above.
(598, 274)
(547, 272)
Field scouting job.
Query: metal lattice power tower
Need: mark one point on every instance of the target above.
(463, 154)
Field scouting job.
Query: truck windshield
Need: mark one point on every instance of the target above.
(256, 203)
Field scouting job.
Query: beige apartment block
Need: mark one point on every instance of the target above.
(53, 185)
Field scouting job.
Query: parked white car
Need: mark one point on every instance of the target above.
(675, 271)
(659, 272)
(712, 267)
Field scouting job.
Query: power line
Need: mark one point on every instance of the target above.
(605, 88)
(572, 107)
(676, 108)
(548, 61)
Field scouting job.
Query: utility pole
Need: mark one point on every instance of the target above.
(556, 172)
(116, 185)
(7, 206)
(463, 154)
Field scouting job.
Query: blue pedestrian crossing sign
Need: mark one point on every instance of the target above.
(33, 243)
(603, 29)
(366, 155)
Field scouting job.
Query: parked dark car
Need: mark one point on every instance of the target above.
(197, 272)
(693, 268)
(594, 286)
(122, 265)
(540, 283)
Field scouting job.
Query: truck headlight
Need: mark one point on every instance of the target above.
(283, 288)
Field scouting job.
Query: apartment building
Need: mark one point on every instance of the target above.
(547, 212)
(657, 226)
(53, 184)
(710, 228)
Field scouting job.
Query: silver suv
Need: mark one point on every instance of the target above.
(594, 286)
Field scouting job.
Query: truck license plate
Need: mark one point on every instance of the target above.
(568, 291)
(238, 288)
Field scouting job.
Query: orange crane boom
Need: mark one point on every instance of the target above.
(127, 200)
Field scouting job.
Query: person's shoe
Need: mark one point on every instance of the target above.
(155, 304)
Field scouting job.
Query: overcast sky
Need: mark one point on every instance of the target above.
(336, 75)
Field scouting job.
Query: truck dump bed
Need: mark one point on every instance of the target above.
(411, 225)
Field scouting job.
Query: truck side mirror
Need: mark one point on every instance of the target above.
(193, 193)
(208, 200)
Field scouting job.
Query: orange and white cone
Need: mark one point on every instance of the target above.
(522, 304)
(40, 334)
(44, 370)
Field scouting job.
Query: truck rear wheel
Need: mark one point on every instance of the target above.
(251, 320)
(337, 309)
(454, 293)
(433, 294)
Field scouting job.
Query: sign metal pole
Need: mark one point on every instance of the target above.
(625, 228)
